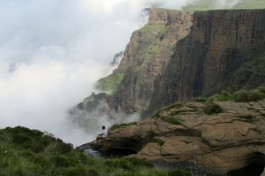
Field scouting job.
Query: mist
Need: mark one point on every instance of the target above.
(226, 3)
(52, 52)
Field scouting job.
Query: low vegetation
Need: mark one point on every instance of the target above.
(252, 95)
(116, 126)
(251, 74)
(169, 113)
(26, 152)
(154, 28)
(170, 119)
(212, 108)
(151, 136)
(246, 117)
(110, 83)
(168, 107)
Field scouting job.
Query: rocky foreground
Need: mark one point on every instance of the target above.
(221, 137)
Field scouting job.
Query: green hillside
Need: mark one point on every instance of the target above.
(231, 4)
(110, 83)
(25, 152)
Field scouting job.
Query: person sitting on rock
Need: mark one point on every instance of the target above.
(103, 134)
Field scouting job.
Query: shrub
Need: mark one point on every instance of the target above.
(224, 96)
(179, 172)
(149, 136)
(175, 105)
(64, 148)
(241, 96)
(140, 162)
(20, 139)
(247, 117)
(19, 172)
(158, 141)
(80, 171)
(116, 126)
(63, 161)
(262, 90)
(34, 158)
(171, 120)
(129, 164)
(248, 96)
(255, 96)
(36, 147)
(212, 108)
(200, 99)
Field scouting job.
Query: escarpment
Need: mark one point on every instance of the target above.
(147, 55)
(179, 55)
(218, 44)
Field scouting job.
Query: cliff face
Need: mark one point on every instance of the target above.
(219, 42)
(146, 56)
(178, 55)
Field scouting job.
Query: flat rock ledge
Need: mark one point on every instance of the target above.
(230, 142)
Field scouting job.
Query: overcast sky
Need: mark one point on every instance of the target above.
(53, 51)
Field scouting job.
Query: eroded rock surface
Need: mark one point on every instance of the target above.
(222, 143)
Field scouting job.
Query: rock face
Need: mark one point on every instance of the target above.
(231, 142)
(178, 55)
(219, 43)
(147, 55)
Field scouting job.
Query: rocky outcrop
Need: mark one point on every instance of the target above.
(231, 142)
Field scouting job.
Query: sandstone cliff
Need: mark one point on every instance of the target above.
(146, 56)
(203, 63)
(178, 55)
(230, 142)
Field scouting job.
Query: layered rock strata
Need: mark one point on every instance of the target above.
(229, 142)
(147, 55)
(178, 55)
(219, 42)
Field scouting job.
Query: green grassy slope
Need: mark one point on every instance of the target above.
(30, 152)
(110, 83)
(231, 4)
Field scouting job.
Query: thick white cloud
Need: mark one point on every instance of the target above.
(53, 51)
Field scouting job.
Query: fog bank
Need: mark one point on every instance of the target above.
(52, 52)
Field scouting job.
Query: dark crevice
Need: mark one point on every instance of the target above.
(119, 152)
(254, 168)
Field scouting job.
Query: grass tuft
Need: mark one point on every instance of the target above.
(116, 126)
(212, 108)
(110, 83)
